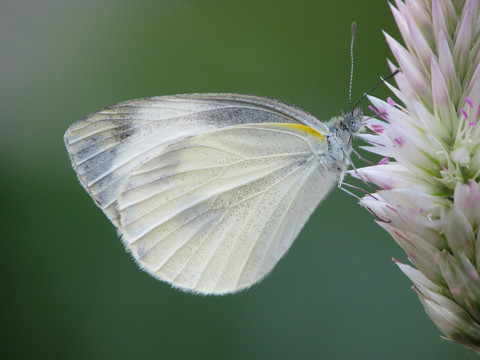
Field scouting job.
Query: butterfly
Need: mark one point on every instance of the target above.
(209, 191)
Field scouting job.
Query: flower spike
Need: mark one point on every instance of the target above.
(429, 172)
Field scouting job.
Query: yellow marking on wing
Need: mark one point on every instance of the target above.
(306, 129)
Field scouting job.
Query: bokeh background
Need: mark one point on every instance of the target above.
(68, 288)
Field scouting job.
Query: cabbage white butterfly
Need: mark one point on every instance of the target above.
(208, 191)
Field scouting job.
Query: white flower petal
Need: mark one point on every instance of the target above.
(419, 12)
(420, 281)
(461, 156)
(406, 92)
(409, 66)
(420, 44)
(459, 233)
(467, 200)
(438, 18)
(387, 176)
(463, 41)
(401, 22)
(421, 253)
(447, 67)
(441, 98)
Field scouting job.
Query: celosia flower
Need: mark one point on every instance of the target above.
(429, 176)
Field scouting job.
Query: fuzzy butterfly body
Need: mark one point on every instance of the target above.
(208, 191)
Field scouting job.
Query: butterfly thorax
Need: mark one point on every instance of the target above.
(339, 140)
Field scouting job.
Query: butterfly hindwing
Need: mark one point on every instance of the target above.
(217, 211)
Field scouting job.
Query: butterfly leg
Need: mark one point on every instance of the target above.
(340, 186)
(361, 157)
(355, 169)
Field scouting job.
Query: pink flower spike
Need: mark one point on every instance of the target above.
(378, 128)
(469, 101)
(385, 160)
(428, 187)
(399, 141)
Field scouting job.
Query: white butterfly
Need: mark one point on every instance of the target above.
(209, 190)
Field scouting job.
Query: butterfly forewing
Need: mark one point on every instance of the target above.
(208, 190)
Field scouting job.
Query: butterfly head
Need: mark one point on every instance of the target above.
(342, 129)
(347, 125)
(352, 121)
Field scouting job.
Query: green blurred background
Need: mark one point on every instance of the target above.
(70, 291)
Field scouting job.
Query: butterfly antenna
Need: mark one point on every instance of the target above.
(382, 80)
(359, 199)
(354, 29)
